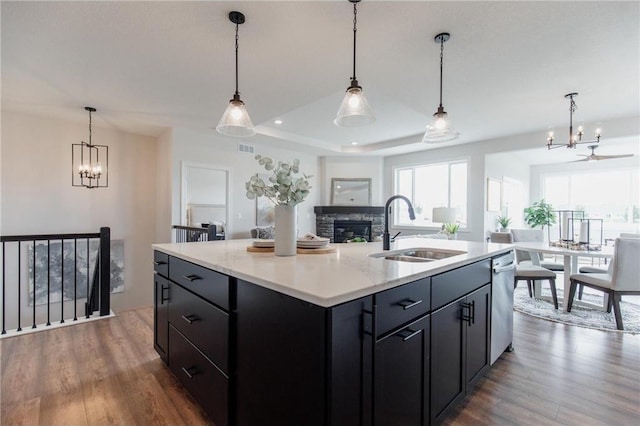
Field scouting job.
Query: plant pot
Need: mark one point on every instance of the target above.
(286, 221)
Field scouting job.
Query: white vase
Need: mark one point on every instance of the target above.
(286, 218)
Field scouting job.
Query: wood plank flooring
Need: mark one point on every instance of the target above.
(106, 372)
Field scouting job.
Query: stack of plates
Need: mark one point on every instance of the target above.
(263, 243)
(311, 244)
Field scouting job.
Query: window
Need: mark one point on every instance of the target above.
(429, 186)
(610, 195)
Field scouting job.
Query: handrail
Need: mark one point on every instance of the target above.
(40, 267)
(189, 234)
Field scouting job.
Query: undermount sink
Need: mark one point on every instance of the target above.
(419, 255)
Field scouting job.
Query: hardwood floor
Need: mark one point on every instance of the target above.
(106, 372)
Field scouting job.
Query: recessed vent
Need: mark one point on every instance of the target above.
(249, 149)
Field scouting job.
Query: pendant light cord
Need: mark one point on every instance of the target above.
(237, 93)
(441, 56)
(90, 128)
(355, 29)
(572, 109)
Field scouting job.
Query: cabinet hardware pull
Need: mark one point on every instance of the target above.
(473, 312)
(190, 318)
(408, 304)
(188, 373)
(162, 298)
(411, 334)
(191, 277)
(466, 317)
(159, 262)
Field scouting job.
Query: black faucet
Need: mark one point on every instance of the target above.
(385, 236)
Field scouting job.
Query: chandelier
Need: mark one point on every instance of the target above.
(354, 109)
(574, 138)
(89, 162)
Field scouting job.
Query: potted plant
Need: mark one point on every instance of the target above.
(285, 190)
(539, 214)
(451, 229)
(504, 222)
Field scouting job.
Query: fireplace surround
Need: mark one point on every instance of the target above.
(327, 217)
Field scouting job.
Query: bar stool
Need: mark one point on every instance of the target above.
(531, 273)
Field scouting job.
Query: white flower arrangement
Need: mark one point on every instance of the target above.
(284, 188)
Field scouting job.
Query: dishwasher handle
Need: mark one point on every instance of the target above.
(505, 268)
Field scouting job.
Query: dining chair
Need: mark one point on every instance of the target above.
(623, 277)
(533, 235)
(527, 271)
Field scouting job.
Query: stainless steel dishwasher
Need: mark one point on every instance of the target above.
(503, 270)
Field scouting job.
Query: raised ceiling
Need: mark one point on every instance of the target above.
(148, 66)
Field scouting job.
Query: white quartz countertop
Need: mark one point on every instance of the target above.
(331, 278)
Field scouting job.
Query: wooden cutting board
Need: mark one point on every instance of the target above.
(323, 250)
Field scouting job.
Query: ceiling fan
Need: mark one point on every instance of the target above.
(594, 157)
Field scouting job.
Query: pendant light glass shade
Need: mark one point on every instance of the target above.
(439, 129)
(354, 110)
(236, 121)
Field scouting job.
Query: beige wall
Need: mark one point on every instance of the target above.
(37, 197)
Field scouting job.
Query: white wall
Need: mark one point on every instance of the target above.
(37, 197)
(352, 167)
(164, 182)
(217, 150)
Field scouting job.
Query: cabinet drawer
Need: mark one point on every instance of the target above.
(209, 284)
(449, 286)
(201, 378)
(201, 322)
(161, 263)
(402, 304)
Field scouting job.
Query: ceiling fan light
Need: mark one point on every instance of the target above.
(354, 110)
(236, 121)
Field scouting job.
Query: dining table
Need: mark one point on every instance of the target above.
(570, 264)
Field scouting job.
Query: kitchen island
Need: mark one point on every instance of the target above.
(342, 338)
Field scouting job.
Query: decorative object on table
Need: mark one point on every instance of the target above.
(351, 191)
(452, 230)
(504, 222)
(286, 191)
(540, 213)
(312, 241)
(236, 121)
(580, 316)
(265, 213)
(357, 240)
(89, 162)
(566, 223)
(439, 130)
(443, 215)
(574, 138)
(354, 109)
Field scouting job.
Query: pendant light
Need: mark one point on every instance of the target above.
(354, 109)
(89, 162)
(574, 138)
(236, 121)
(439, 130)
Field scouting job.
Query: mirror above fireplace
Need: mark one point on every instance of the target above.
(351, 191)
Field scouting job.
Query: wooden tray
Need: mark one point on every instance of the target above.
(323, 250)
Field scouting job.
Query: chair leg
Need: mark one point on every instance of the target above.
(572, 294)
(580, 290)
(616, 309)
(554, 294)
(530, 287)
(609, 304)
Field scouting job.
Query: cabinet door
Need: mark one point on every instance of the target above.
(161, 321)
(401, 377)
(477, 330)
(447, 340)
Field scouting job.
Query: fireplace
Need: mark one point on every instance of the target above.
(344, 230)
(337, 222)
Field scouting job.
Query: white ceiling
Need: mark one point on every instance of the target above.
(147, 66)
